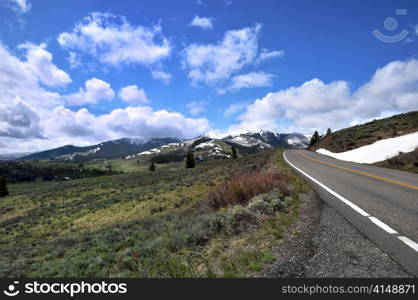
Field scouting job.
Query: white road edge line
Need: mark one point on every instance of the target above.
(346, 201)
(409, 242)
(382, 225)
(375, 220)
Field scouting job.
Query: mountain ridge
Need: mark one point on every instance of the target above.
(249, 142)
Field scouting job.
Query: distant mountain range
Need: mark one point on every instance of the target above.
(106, 150)
(205, 146)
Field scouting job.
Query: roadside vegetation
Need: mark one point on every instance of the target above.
(219, 219)
(368, 133)
(404, 162)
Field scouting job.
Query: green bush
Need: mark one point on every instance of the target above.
(260, 206)
(240, 218)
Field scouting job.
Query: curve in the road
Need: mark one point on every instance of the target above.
(357, 169)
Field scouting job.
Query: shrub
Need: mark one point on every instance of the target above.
(240, 218)
(260, 206)
(277, 204)
(241, 188)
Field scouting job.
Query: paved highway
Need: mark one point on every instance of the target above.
(381, 203)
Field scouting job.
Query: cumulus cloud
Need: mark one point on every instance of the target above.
(21, 6)
(21, 79)
(318, 105)
(249, 80)
(114, 41)
(18, 119)
(163, 76)
(196, 107)
(202, 22)
(215, 63)
(133, 95)
(95, 90)
(133, 121)
(39, 61)
(34, 119)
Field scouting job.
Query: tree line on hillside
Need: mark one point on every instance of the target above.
(190, 160)
(15, 172)
(316, 137)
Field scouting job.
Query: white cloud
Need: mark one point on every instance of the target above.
(202, 22)
(34, 119)
(22, 79)
(82, 127)
(18, 119)
(196, 107)
(131, 94)
(265, 55)
(249, 80)
(114, 41)
(21, 6)
(318, 105)
(163, 76)
(95, 90)
(39, 61)
(215, 63)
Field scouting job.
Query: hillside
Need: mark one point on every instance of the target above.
(167, 223)
(388, 143)
(368, 133)
(173, 149)
(106, 150)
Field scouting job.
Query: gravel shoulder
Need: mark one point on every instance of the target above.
(322, 243)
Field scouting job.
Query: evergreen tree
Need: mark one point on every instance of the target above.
(152, 167)
(315, 138)
(329, 131)
(190, 163)
(3, 187)
(234, 152)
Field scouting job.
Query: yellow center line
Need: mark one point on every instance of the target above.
(411, 186)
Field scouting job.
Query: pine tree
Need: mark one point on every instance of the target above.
(152, 167)
(329, 131)
(190, 163)
(315, 138)
(234, 152)
(3, 187)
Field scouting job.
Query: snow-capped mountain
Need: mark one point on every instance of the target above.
(110, 149)
(206, 146)
(218, 146)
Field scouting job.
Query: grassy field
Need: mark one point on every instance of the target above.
(150, 224)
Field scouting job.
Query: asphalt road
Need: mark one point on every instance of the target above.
(381, 203)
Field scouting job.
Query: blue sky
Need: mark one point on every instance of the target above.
(78, 72)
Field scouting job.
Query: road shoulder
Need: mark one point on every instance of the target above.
(322, 243)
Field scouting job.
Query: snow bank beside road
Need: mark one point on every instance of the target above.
(378, 151)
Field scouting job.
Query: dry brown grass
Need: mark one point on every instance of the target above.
(240, 188)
